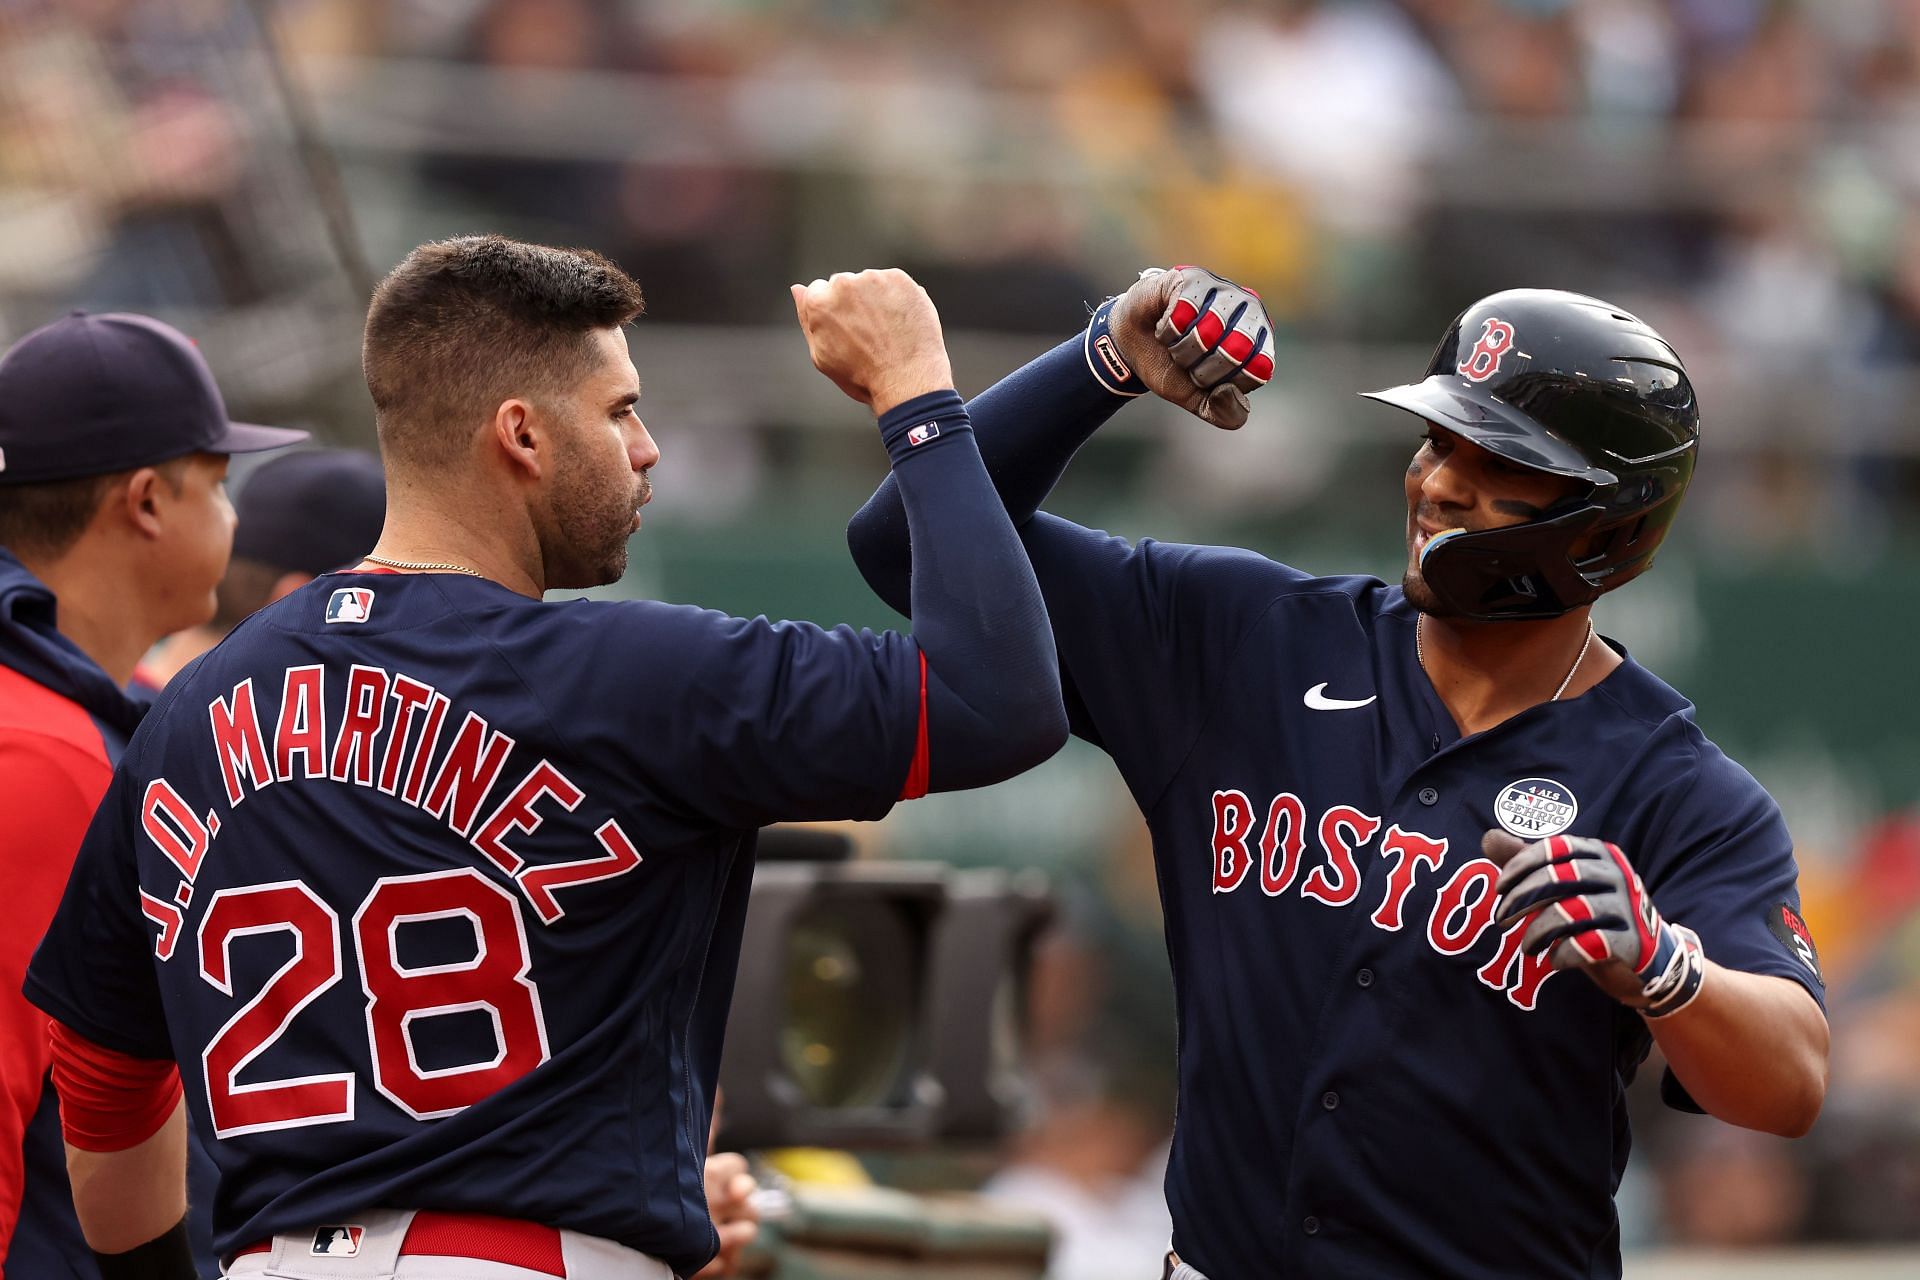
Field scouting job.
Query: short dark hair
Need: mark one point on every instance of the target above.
(47, 519)
(462, 324)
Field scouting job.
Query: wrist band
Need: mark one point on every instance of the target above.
(1676, 988)
(1109, 367)
(916, 425)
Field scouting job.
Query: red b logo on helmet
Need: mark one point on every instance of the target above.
(1484, 360)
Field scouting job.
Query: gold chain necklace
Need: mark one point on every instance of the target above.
(429, 566)
(1420, 653)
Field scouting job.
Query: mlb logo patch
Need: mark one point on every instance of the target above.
(350, 604)
(337, 1242)
(923, 433)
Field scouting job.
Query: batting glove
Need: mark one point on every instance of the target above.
(1586, 907)
(1189, 336)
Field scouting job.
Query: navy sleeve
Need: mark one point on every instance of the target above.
(789, 722)
(738, 723)
(1146, 632)
(1721, 863)
(95, 968)
(1028, 427)
(993, 705)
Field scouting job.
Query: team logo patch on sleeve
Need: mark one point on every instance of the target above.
(1785, 924)
(350, 604)
(1535, 808)
(923, 433)
(337, 1242)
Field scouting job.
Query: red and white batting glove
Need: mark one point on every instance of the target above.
(1191, 337)
(1586, 907)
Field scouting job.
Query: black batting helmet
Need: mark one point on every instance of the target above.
(1574, 386)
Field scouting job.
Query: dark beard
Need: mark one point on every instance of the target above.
(1421, 596)
(593, 527)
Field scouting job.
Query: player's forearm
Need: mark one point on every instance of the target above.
(1027, 427)
(994, 705)
(1751, 1049)
(126, 1198)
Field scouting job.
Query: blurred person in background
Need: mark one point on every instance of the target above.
(123, 120)
(297, 516)
(114, 531)
(1100, 1036)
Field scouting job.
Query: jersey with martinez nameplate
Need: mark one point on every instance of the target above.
(1374, 1082)
(437, 891)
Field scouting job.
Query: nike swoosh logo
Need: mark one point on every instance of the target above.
(1317, 699)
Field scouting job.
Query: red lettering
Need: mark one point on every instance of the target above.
(1285, 834)
(539, 882)
(1339, 888)
(1458, 920)
(238, 742)
(1232, 824)
(1526, 973)
(423, 754)
(302, 729)
(359, 723)
(173, 828)
(467, 773)
(168, 917)
(411, 695)
(1410, 850)
(516, 811)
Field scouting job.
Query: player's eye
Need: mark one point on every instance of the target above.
(1435, 440)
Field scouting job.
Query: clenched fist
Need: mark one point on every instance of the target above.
(1585, 907)
(875, 334)
(1193, 338)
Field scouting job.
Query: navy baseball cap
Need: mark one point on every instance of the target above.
(312, 511)
(92, 394)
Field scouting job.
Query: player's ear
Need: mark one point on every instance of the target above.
(517, 431)
(139, 501)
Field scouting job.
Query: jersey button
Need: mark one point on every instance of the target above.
(1429, 796)
(1364, 977)
(1329, 1099)
(1310, 1225)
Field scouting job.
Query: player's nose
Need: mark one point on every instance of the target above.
(1446, 483)
(642, 452)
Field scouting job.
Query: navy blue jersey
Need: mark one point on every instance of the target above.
(1370, 1074)
(440, 889)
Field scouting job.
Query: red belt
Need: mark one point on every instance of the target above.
(529, 1245)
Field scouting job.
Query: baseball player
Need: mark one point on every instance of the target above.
(297, 516)
(433, 890)
(1387, 820)
(114, 528)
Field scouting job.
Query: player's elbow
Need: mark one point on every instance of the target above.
(1044, 731)
(1797, 1089)
(882, 557)
(1805, 1089)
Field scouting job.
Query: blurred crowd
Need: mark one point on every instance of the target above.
(1741, 169)
(1744, 172)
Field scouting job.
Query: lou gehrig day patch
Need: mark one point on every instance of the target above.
(1535, 808)
(1785, 924)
